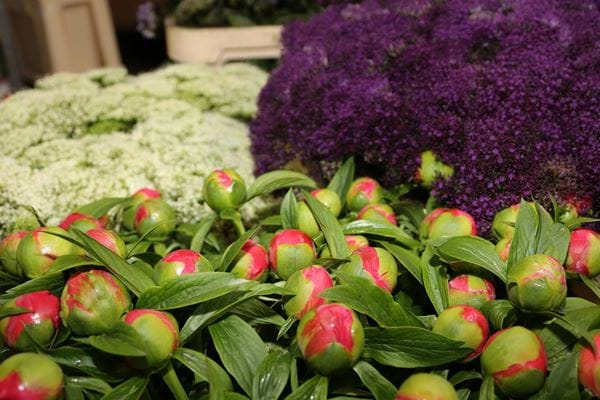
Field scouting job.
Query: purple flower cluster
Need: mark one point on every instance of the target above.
(507, 92)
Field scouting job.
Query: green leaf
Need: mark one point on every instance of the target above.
(473, 250)
(7, 311)
(329, 226)
(49, 282)
(240, 348)
(557, 343)
(463, 376)
(500, 313)
(410, 261)
(191, 289)
(553, 237)
(203, 228)
(271, 375)
(363, 296)
(289, 211)
(572, 327)
(87, 383)
(122, 340)
(280, 179)
(273, 220)
(411, 347)
(591, 284)
(562, 383)
(234, 248)
(524, 242)
(380, 229)
(36, 215)
(64, 263)
(314, 389)
(576, 222)
(131, 389)
(203, 367)
(91, 362)
(586, 319)
(435, 281)
(255, 312)
(377, 384)
(72, 392)
(286, 327)
(100, 207)
(341, 181)
(463, 394)
(487, 390)
(133, 278)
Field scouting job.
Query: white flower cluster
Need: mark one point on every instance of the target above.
(79, 137)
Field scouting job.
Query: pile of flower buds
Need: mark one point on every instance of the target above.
(346, 291)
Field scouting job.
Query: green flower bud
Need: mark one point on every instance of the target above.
(8, 253)
(252, 263)
(108, 239)
(424, 386)
(154, 213)
(584, 253)
(306, 221)
(177, 263)
(128, 215)
(378, 213)
(330, 199)
(470, 290)
(30, 376)
(80, 221)
(375, 264)
(290, 250)
(432, 169)
(503, 248)
(224, 189)
(363, 191)
(537, 283)
(589, 366)
(306, 285)
(444, 222)
(464, 324)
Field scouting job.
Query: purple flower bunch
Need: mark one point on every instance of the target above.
(506, 92)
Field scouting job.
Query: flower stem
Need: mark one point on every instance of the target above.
(239, 226)
(170, 378)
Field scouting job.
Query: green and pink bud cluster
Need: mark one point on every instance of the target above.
(375, 264)
(378, 213)
(290, 250)
(516, 359)
(30, 376)
(159, 332)
(224, 189)
(464, 324)
(81, 221)
(41, 321)
(108, 239)
(8, 253)
(447, 222)
(155, 219)
(584, 253)
(470, 290)
(252, 263)
(432, 169)
(306, 284)
(423, 386)
(331, 338)
(177, 263)
(537, 283)
(589, 366)
(128, 215)
(92, 301)
(363, 191)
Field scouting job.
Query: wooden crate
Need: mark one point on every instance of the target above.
(217, 46)
(63, 35)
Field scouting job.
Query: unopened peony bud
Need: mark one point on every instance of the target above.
(108, 239)
(584, 253)
(306, 221)
(464, 324)
(224, 189)
(80, 221)
(503, 249)
(432, 169)
(470, 290)
(503, 225)
(128, 217)
(375, 264)
(8, 253)
(252, 263)
(363, 191)
(330, 199)
(289, 251)
(423, 386)
(177, 263)
(378, 213)
(354, 243)
(30, 376)
(444, 222)
(306, 285)
(589, 366)
(155, 216)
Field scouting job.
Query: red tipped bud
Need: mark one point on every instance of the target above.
(306, 285)
(584, 253)
(464, 324)
(470, 290)
(8, 253)
(375, 264)
(252, 263)
(224, 189)
(289, 251)
(363, 191)
(30, 376)
(177, 263)
(378, 213)
(444, 222)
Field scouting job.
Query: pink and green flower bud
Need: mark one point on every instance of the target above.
(306, 221)
(470, 290)
(92, 302)
(41, 322)
(423, 386)
(503, 248)
(30, 376)
(177, 263)
(8, 253)
(128, 216)
(108, 239)
(375, 264)
(378, 213)
(444, 222)
(290, 250)
(516, 359)
(38, 250)
(363, 191)
(464, 324)
(224, 189)
(80, 221)
(330, 199)
(432, 169)
(306, 285)
(331, 338)
(568, 213)
(537, 283)
(584, 253)
(155, 216)
(589, 366)
(252, 263)
(354, 243)
(160, 334)
(503, 225)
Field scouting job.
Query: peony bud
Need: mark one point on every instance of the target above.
(38, 250)
(516, 359)
(252, 263)
(289, 251)
(80, 221)
(354, 243)
(8, 253)
(331, 338)
(92, 302)
(568, 213)
(154, 213)
(470, 290)
(432, 169)
(176, 263)
(363, 191)
(423, 386)
(30, 376)
(160, 334)
(464, 324)
(224, 189)
(108, 239)
(306, 221)
(503, 225)
(503, 249)
(378, 213)
(444, 222)
(128, 217)
(536, 283)
(375, 264)
(330, 199)
(589, 366)
(584, 253)
(42, 322)
(306, 285)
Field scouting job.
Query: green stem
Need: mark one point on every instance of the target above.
(146, 395)
(239, 226)
(170, 378)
